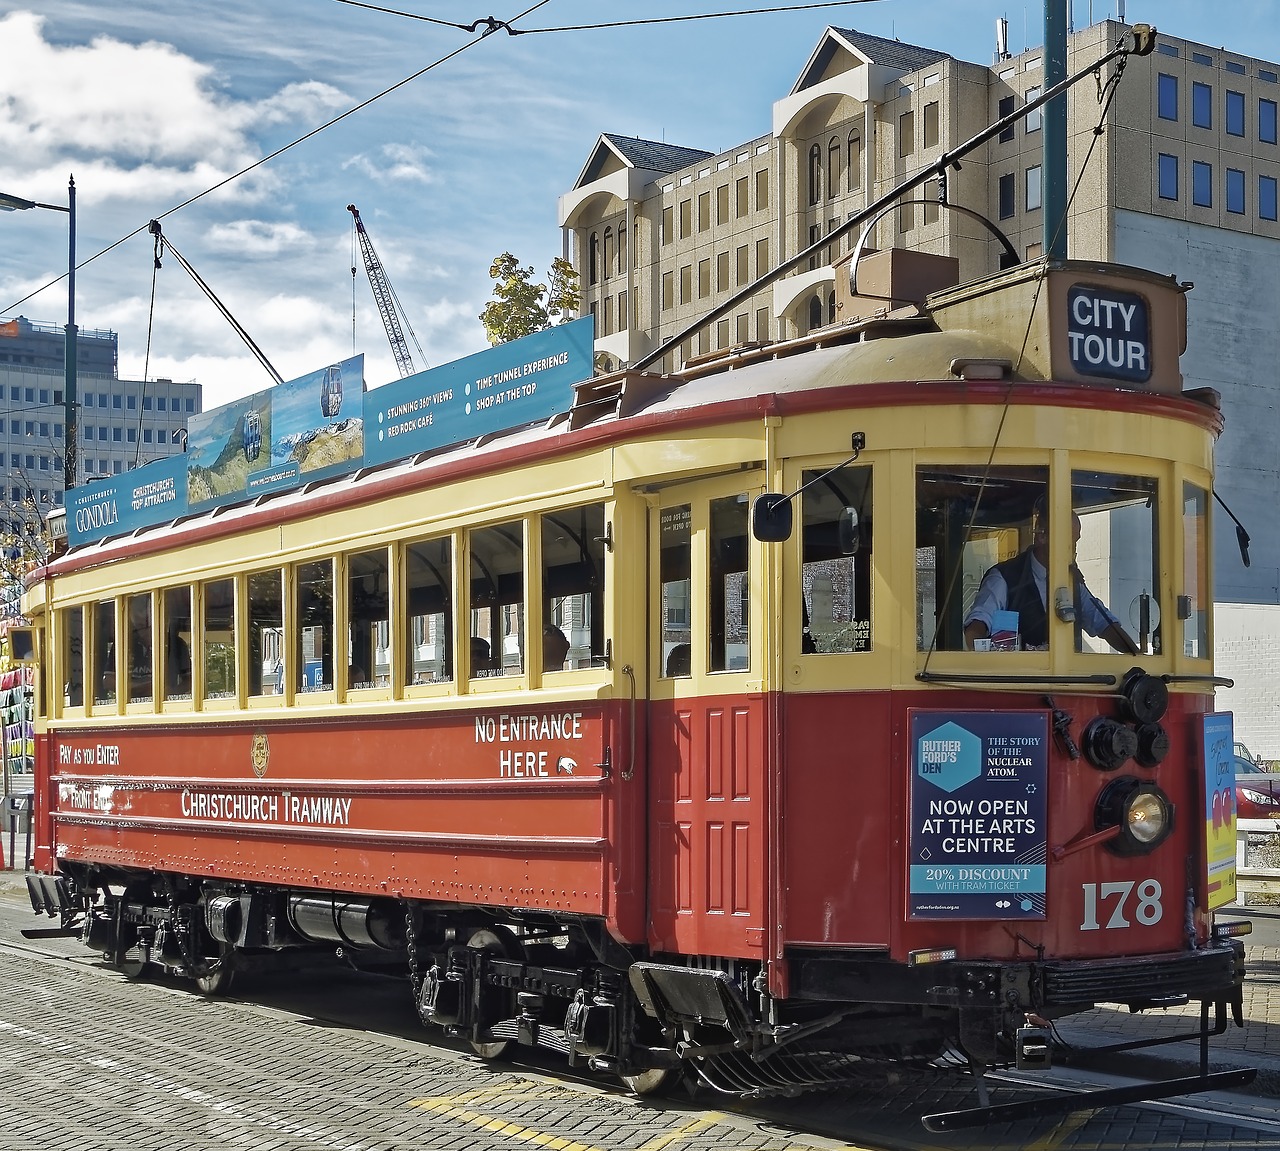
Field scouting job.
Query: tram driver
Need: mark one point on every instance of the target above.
(1020, 586)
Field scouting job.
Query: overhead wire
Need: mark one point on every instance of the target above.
(489, 30)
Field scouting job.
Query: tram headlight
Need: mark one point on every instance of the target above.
(1141, 811)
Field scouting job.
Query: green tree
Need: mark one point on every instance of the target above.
(519, 306)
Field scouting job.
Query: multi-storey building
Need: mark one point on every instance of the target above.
(122, 423)
(1175, 170)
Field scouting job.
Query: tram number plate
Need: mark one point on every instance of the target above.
(1121, 903)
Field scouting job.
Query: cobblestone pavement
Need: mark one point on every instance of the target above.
(93, 1062)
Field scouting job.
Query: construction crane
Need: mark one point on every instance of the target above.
(384, 295)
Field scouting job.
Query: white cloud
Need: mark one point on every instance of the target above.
(404, 163)
(257, 237)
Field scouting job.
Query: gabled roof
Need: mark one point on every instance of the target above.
(872, 49)
(650, 155)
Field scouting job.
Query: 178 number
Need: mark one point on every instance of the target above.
(1115, 897)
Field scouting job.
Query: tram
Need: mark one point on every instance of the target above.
(783, 810)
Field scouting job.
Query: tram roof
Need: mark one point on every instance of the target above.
(959, 335)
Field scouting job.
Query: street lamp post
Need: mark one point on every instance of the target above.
(70, 443)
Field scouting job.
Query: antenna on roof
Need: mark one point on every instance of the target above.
(1002, 39)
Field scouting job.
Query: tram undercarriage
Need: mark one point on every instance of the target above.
(564, 985)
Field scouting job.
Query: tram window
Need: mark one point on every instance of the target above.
(138, 647)
(266, 634)
(836, 608)
(1118, 556)
(573, 559)
(368, 610)
(968, 520)
(675, 559)
(313, 652)
(73, 657)
(728, 606)
(429, 611)
(176, 668)
(1193, 602)
(219, 639)
(104, 652)
(497, 598)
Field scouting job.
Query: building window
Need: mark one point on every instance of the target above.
(1235, 113)
(668, 290)
(931, 124)
(1167, 49)
(815, 175)
(622, 310)
(722, 204)
(740, 258)
(740, 192)
(704, 211)
(762, 189)
(132, 435)
(815, 235)
(146, 435)
(1202, 184)
(146, 403)
(116, 401)
(1201, 105)
(833, 167)
(906, 217)
(117, 435)
(1167, 96)
(1006, 108)
(686, 284)
(906, 133)
(1008, 202)
(762, 324)
(1235, 191)
(722, 334)
(622, 264)
(1033, 188)
(1033, 118)
(608, 316)
(704, 279)
(102, 435)
(1267, 197)
(722, 271)
(606, 254)
(686, 219)
(931, 210)
(742, 336)
(1236, 67)
(1267, 121)
(1168, 176)
(855, 160)
(815, 313)
(1201, 58)
(762, 256)
(668, 226)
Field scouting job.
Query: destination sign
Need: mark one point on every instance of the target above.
(1108, 334)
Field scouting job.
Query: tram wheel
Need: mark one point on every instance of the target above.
(493, 941)
(214, 976)
(649, 1082)
(135, 962)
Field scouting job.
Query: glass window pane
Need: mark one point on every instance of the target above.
(266, 633)
(104, 652)
(176, 671)
(728, 607)
(497, 600)
(1117, 561)
(1167, 97)
(1168, 176)
(573, 580)
(836, 561)
(313, 653)
(219, 639)
(368, 612)
(73, 657)
(1202, 184)
(428, 611)
(968, 521)
(1202, 105)
(675, 549)
(1235, 113)
(138, 648)
(1193, 602)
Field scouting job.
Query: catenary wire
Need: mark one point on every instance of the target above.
(278, 152)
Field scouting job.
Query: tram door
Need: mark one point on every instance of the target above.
(707, 777)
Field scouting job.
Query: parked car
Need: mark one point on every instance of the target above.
(1257, 790)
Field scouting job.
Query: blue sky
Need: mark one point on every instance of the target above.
(149, 103)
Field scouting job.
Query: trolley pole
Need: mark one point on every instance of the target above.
(1054, 192)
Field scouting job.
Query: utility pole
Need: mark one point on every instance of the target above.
(1054, 164)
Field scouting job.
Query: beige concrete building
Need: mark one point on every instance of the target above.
(1182, 179)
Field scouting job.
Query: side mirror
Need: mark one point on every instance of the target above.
(771, 518)
(847, 531)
